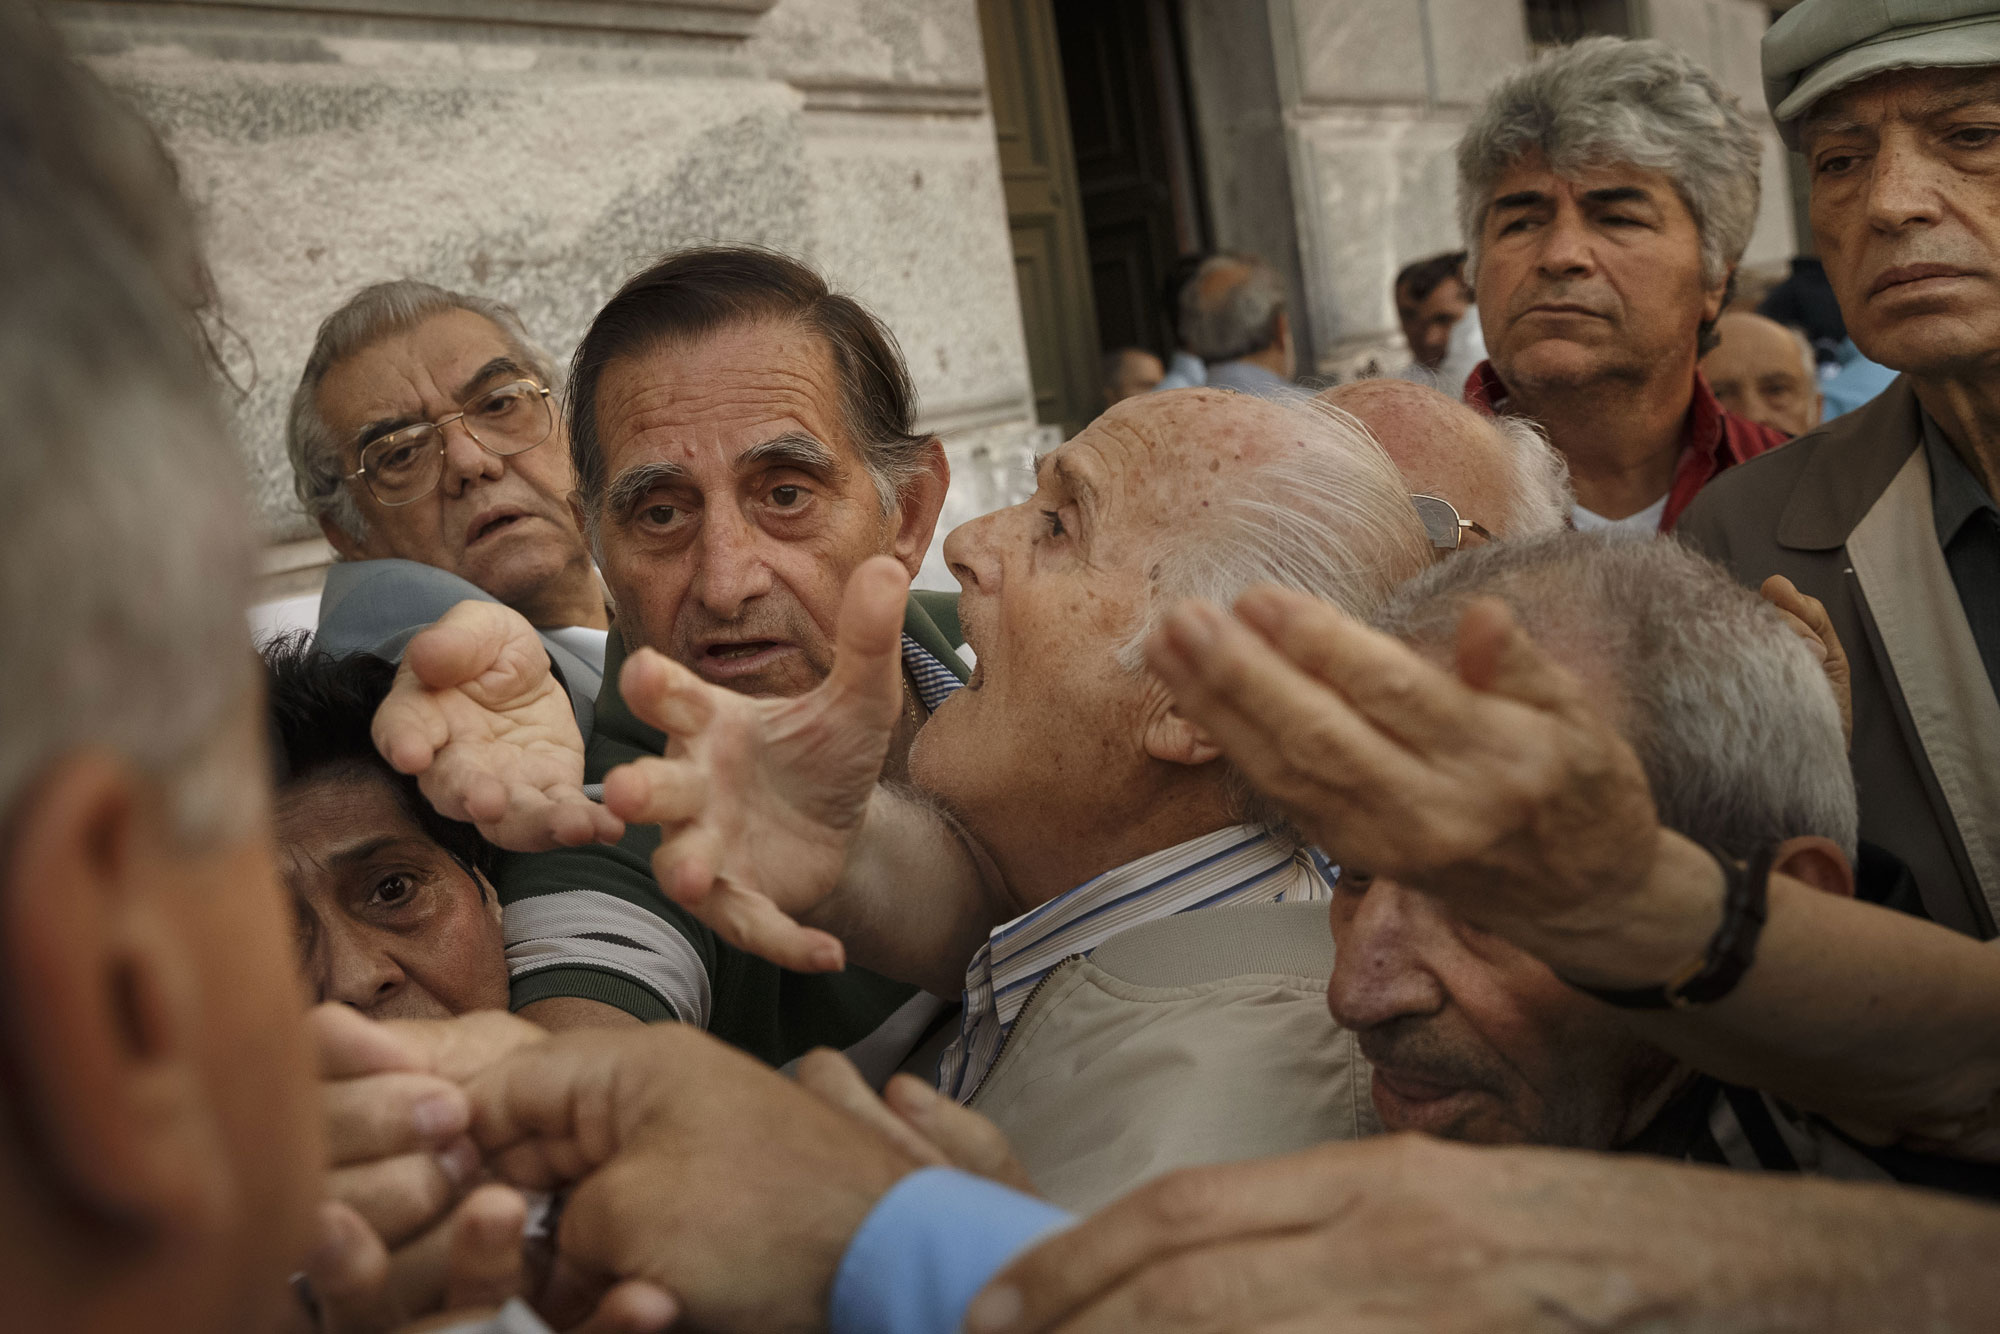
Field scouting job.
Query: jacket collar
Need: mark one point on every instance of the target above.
(1856, 457)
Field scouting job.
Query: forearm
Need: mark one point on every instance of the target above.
(1850, 1010)
(917, 895)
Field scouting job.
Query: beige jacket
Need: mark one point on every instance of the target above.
(1199, 1038)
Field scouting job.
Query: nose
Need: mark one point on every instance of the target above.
(1903, 186)
(733, 570)
(1379, 972)
(465, 462)
(1566, 250)
(972, 554)
(358, 972)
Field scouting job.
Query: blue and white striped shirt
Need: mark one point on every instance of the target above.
(1238, 865)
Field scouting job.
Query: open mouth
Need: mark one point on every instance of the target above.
(740, 657)
(497, 523)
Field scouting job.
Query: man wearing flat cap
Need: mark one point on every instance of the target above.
(1887, 514)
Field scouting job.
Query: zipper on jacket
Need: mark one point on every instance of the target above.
(1026, 1005)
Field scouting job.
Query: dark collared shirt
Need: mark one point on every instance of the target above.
(1968, 528)
(1712, 438)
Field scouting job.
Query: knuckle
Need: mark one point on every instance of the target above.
(1181, 1202)
(1199, 1290)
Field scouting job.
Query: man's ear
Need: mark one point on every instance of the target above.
(1170, 737)
(919, 505)
(1817, 861)
(99, 999)
(337, 538)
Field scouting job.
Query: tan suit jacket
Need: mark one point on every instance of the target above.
(1844, 512)
(1198, 1038)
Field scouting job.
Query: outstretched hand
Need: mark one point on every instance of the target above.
(759, 800)
(1496, 787)
(478, 716)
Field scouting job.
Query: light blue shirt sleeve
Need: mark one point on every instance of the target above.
(927, 1249)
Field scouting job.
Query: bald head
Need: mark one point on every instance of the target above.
(1233, 309)
(1495, 474)
(1764, 371)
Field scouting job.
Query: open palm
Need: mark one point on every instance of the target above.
(478, 716)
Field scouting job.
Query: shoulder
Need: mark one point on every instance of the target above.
(365, 605)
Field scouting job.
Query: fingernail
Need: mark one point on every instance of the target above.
(438, 1115)
(459, 1162)
(993, 1310)
(828, 958)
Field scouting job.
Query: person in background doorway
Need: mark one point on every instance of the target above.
(1128, 372)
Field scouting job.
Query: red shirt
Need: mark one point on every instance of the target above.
(1711, 438)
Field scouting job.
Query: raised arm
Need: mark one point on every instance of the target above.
(1500, 791)
(774, 829)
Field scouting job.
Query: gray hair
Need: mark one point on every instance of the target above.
(125, 549)
(367, 317)
(1728, 709)
(1243, 320)
(1609, 100)
(1332, 520)
(1539, 498)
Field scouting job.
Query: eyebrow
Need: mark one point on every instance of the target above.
(492, 370)
(1521, 199)
(1618, 194)
(794, 449)
(1073, 481)
(637, 481)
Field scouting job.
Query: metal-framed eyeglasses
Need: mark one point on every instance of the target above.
(405, 466)
(1442, 523)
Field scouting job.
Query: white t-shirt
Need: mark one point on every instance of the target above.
(1646, 523)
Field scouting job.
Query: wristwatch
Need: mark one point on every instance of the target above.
(1713, 973)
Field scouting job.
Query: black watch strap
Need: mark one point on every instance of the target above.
(1730, 952)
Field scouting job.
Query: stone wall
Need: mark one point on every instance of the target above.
(539, 151)
(1364, 101)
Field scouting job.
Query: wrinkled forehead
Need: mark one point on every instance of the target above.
(1161, 453)
(1904, 94)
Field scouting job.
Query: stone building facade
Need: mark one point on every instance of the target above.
(539, 151)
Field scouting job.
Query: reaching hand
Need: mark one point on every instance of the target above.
(1498, 789)
(759, 800)
(478, 716)
(917, 1119)
(693, 1167)
(396, 1239)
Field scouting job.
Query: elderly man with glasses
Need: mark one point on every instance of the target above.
(425, 440)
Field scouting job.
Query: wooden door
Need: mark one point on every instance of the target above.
(1134, 160)
(1051, 266)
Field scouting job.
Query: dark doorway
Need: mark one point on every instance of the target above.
(1135, 164)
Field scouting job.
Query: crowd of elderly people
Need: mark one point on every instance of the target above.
(1382, 860)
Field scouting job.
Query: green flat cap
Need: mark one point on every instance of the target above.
(1822, 45)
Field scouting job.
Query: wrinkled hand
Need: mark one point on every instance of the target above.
(396, 1240)
(399, 1157)
(1406, 1233)
(696, 1168)
(933, 1129)
(1499, 789)
(759, 800)
(1807, 617)
(477, 715)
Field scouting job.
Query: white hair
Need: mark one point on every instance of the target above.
(1730, 713)
(1331, 519)
(367, 317)
(1539, 498)
(1610, 100)
(1238, 321)
(125, 549)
